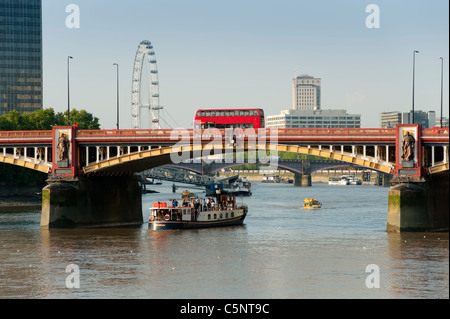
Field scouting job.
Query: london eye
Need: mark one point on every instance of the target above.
(140, 103)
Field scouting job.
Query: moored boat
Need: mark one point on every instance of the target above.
(218, 211)
(338, 181)
(311, 203)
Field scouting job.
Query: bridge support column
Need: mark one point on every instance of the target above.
(304, 179)
(301, 180)
(92, 202)
(420, 205)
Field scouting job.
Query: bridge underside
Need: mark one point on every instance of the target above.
(141, 161)
(24, 163)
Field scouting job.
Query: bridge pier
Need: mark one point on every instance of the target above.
(92, 202)
(419, 205)
(302, 180)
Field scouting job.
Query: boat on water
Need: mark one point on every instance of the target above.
(311, 203)
(271, 179)
(338, 181)
(194, 213)
(345, 180)
(353, 180)
(231, 185)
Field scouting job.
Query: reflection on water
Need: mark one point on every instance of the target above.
(280, 252)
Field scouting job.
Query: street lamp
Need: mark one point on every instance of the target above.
(68, 89)
(442, 86)
(414, 82)
(117, 65)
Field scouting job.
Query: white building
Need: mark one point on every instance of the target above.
(314, 119)
(306, 111)
(306, 93)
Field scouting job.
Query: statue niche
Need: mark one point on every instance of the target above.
(409, 144)
(63, 151)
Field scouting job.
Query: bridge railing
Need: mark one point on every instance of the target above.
(25, 134)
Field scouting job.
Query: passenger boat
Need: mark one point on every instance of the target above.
(222, 211)
(352, 180)
(338, 181)
(311, 203)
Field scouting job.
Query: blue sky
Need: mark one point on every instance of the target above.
(230, 53)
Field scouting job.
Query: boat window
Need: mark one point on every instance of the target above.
(220, 216)
(215, 216)
(232, 214)
(209, 216)
(226, 215)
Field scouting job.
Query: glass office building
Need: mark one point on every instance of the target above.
(20, 55)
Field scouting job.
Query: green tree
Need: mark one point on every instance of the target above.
(85, 120)
(45, 119)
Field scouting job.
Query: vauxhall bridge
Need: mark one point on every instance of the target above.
(92, 179)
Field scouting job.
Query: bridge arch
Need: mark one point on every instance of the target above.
(147, 159)
(24, 163)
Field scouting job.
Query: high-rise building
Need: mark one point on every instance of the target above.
(307, 93)
(20, 55)
(306, 111)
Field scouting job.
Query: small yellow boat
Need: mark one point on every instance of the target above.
(311, 203)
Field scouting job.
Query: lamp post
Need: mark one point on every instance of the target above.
(414, 83)
(117, 65)
(442, 86)
(68, 89)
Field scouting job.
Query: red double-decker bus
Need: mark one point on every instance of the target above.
(230, 118)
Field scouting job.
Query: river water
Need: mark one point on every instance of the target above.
(282, 252)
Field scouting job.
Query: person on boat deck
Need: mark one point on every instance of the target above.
(175, 203)
(197, 206)
(203, 203)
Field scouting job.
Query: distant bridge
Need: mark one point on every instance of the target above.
(294, 166)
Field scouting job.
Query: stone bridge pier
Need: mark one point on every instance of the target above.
(74, 200)
(96, 201)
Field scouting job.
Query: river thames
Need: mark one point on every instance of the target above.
(282, 252)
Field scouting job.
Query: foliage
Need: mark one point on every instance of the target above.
(45, 119)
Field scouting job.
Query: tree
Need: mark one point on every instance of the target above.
(45, 119)
(85, 120)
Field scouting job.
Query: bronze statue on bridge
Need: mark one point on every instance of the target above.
(63, 148)
(409, 143)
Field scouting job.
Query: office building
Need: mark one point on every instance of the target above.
(20, 55)
(306, 93)
(306, 111)
(391, 119)
(314, 119)
(445, 122)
